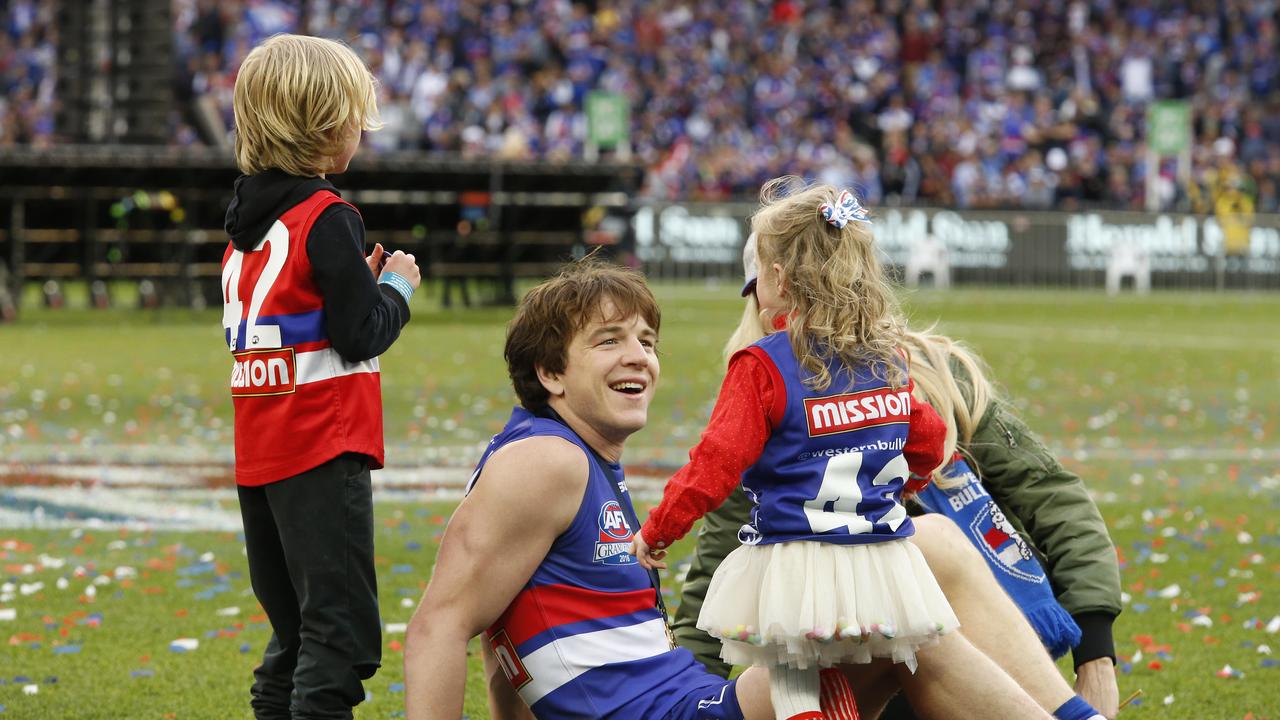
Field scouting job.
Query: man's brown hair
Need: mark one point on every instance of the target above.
(553, 312)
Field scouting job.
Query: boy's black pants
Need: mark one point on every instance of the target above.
(310, 544)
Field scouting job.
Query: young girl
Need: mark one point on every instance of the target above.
(998, 468)
(817, 422)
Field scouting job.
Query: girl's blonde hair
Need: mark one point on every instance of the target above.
(936, 384)
(297, 101)
(750, 329)
(840, 302)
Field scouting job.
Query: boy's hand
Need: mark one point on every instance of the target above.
(404, 265)
(649, 559)
(375, 259)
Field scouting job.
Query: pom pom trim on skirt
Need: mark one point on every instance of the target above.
(809, 603)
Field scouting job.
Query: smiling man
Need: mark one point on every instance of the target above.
(536, 556)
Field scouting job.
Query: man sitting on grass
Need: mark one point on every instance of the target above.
(535, 557)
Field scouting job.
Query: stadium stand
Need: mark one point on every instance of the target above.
(1015, 103)
(992, 108)
(974, 104)
(27, 62)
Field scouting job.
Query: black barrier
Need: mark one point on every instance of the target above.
(142, 213)
(106, 213)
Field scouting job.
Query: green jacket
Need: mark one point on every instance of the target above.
(1048, 505)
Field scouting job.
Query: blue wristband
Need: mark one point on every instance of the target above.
(397, 283)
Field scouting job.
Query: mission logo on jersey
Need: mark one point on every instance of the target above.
(614, 544)
(255, 373)
(853, 411)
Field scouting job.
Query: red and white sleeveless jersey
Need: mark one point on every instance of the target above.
(298, 404)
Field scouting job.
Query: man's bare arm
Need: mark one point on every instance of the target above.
(527, 495)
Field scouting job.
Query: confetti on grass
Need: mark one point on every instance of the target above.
(1228, 672)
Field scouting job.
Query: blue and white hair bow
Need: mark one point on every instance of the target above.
(846, 208)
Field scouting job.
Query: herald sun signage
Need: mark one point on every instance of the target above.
(676, 233)
(970, 243)
(1184, 244)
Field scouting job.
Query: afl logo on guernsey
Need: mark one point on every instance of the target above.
(613, 545)
(854, 411)
(263, 372)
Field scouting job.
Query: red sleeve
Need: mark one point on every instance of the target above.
(732, 441)
(925, 439)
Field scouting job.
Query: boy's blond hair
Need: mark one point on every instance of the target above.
(841, 305)
(297, 101)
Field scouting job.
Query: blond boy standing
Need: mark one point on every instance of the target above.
(306, 316)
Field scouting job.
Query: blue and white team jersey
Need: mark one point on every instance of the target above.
(833, 468)
(584, 638)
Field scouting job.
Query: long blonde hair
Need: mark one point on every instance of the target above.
(297, 100)
(750, 329)
(840, 303)
(931, 358)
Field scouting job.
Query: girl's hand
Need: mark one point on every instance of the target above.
(649, 558)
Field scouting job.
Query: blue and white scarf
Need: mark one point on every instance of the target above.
(970, 506)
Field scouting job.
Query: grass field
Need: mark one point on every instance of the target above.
(1167, 405)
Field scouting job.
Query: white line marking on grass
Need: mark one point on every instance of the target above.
(1060, 297)
(1213, 454)
(59, 507)
(178, 498)
(1115, 338)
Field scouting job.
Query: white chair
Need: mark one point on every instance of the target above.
(1129, 260)
(928, 255)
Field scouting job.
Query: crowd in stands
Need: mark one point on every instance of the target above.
(27, 61)
(982, 103)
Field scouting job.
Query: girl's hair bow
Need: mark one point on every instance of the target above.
(846, 208)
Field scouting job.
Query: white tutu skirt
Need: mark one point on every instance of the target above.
(806, 604)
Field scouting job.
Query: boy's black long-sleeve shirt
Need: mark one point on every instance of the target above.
(362, 317)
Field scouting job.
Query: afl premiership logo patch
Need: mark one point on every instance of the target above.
(613, 545)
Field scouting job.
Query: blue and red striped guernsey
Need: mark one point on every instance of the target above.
(298, 404)
(832, 469)
(583, 638)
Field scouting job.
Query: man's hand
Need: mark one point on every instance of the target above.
(401, 264)
(649, 559)
(1096, 683)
